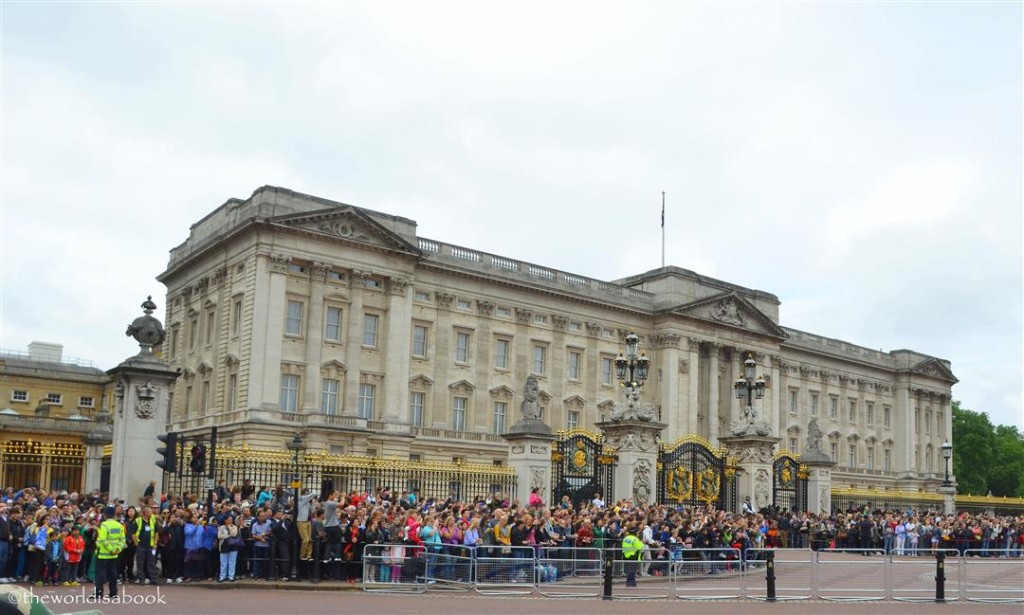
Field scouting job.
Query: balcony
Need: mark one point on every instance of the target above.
(46, 424)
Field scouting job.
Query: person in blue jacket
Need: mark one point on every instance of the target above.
(212, 558)
(194, 564)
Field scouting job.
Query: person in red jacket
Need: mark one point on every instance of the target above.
(74, 546)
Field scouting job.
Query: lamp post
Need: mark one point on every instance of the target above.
(631, 370)
(947, 453)
(749, 386)
(297, 446)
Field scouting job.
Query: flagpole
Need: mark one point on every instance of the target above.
(662, 229)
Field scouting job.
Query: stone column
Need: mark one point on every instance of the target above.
(693, 379)
(483, 363)
(314, 339)
(775, 391)
(396, 358)
(668, 361)
(440, 407)
(529, 453)
(755, 455)
(713, 392)
(354, 344)
(819, 484)
(94, 443)
(637, 443)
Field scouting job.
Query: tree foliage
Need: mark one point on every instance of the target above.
(986, 458)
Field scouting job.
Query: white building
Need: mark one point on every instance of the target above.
(291, 312)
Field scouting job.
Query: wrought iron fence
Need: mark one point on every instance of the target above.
(319, 470)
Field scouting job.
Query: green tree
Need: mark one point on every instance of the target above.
(1006, 476)
(974, 441)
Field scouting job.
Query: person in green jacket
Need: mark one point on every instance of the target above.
(632, 547)
(110, 541)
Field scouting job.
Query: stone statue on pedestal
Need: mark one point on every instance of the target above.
(813, 450)
(530, 407)
(750, 424)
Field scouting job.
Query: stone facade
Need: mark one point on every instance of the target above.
(287, 311)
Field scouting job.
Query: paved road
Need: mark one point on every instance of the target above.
(194, 600)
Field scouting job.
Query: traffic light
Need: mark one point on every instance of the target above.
(198, 462)
(169, 452)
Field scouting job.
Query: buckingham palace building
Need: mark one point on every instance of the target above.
(292, 313)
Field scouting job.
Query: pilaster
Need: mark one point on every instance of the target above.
(637, 445)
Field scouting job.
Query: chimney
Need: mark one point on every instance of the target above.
(45, 351)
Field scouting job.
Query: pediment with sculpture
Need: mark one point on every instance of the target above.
(731, 309)
(347, 223)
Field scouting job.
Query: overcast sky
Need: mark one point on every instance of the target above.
(860, 161)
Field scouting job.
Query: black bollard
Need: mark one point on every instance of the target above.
(770, 576)
(940, 577)
(607, 576)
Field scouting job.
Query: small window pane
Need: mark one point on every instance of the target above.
(370, 323)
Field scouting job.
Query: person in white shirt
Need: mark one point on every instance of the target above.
(647, 538)
(748, 507)
(597, 501)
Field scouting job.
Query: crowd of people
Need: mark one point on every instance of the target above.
(245, 531)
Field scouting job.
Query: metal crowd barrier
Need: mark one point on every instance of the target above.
(570, 572)
(708, 574)
(842, 575)
(796, 572)
(912, 578)
(984, 576)
(394, 568)
(506, 571)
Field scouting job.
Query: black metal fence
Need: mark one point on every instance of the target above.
(321, 470)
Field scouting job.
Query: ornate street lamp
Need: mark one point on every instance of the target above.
(749, 385)
(631, 370)
(297, 446)
(947, 453)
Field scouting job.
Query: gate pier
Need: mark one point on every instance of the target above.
(637, 443)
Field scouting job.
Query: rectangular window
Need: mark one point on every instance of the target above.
(461, 347)
(415, 457)
(887, 415)
(367, 392)
(851, 456)
(188, 401)
(871, 458)
(289, 393)
(329, 396)
(575, 327)
(370, 323)
(814, 404)
(293, 323)
(887, 461)
(572, 419)
(86, 401)
(833, 407)
(193, 330)
(174, 342)
(794, 398)
(834, 452)
(539, 319)
(500, 412)
(927, 422)
(332, 328)
(459, 413)
(236, 319)
(422, 296)
(335, 276)
(853, 411)
(503, 312)
(296, 268)
(204, 398)
(419, 341)
(574, 366)
(501, 348)
(462, 304)
(792, 444)
(539, 357)
(211, 321)
(607, 364)
(371, 283)
(19, 396)
(416, 402)
(54, 398)
(232, 392)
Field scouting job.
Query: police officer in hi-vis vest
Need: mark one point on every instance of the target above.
(110, 541)
(632, 548)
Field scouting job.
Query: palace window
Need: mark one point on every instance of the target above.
(367, 393)
(853, 411)
(18, 395)
(289, 392)
(606, 370)
(232, 392)
(794, 397)
(370, 324)
(887, 461)
(539, 358)
(834, 452)
(851, 455)
(501, 348)
(419, 341)
(293, 323)
(886, 415)
(422, 296)
(461, 347)
(814, 404)
(54, 398)
(416, 403)
(833, 408)
(574, 366)
(86, 401)
(870, 413)
(204, 398)
(871, 458)
(211, 322)
(332, 326)
(500, 412)
(572, 419)
(329, 396)
(459, 406)
(236, 319)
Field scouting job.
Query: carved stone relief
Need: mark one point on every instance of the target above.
(762, 489)
(642, 482)
(538, 450)
(824, 499)
(518, 449)
(537, 479)
(725, 310)
(444, 300)
(524, 316)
